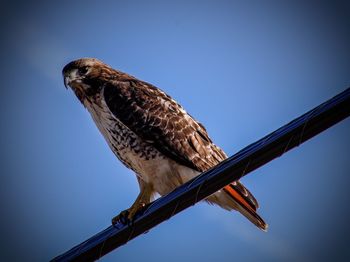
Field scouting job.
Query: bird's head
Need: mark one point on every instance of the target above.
(84, 76)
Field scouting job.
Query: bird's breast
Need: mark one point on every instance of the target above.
(138, 154)
(134, 152)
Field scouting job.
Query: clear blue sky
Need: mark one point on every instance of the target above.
(242, 69)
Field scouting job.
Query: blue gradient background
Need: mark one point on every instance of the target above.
(241, 68)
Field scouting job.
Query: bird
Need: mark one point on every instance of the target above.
(153, 135)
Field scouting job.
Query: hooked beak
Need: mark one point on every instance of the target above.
(67, 73)
(66, 81)
(69, 77)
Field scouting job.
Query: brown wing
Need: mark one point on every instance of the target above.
(158, 119)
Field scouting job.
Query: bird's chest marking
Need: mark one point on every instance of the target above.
(126, 145)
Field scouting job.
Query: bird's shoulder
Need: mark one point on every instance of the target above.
(154, 116)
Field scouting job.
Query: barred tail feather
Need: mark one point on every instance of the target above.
(236, 196)
(245, 207)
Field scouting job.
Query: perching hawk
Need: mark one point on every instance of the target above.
(152, 135)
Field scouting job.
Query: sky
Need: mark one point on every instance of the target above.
(241, 68)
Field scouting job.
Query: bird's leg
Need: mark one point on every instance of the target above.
(143, 199)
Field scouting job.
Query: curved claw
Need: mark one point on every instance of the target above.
(127, 217)
(123, 218)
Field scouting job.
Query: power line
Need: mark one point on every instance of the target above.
(248, 159)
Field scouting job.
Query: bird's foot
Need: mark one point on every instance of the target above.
(127, 217)
(121, 218)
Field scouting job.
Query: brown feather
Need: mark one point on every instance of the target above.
(159, 121)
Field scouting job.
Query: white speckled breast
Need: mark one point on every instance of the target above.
(125, 144)
(140, 156)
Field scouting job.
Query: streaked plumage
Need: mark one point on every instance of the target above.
(152, 134)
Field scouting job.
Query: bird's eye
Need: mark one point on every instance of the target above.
(83, 70)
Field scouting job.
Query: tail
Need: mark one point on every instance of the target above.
(236, 196)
